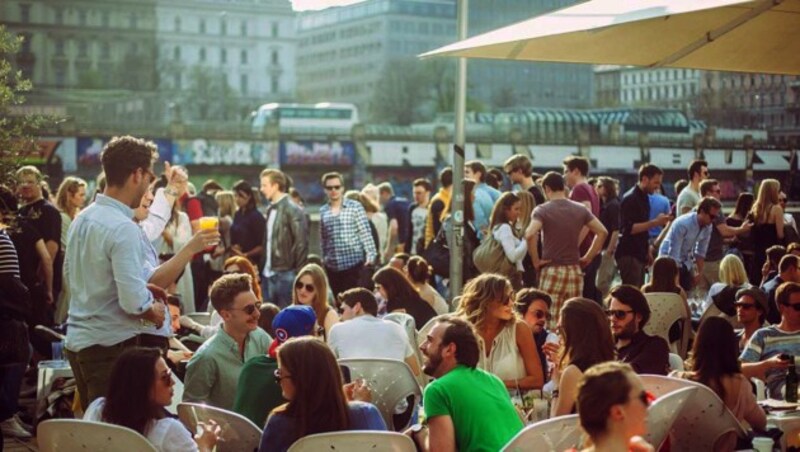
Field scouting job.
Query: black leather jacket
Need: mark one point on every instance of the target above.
(289, 248)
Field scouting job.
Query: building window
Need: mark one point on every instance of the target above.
(106, 19)
(273, 84)
(274, 57)
(176, 53)
(202, 26)
(275, 29)
(60, 48)
(60, 76)
(24, 13)
(177, 23)
(26, 43)
(59, 16)
(223, 56)
(223, 28)
(243, 56)
(202, 54)
(83, 49)
(105, 50)
(82, 17)
(243, 83)
(243, 28)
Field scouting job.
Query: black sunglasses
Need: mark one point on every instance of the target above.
(619, 314)
(744, 305)
(332, 187)
(249, 309)
(541, 314)
(795, 306)
(299, 285)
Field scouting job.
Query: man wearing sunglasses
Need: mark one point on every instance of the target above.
(628, 313)
(534, 307)
(213, 372)
(687, 241)
(751, 310)
(765, 356)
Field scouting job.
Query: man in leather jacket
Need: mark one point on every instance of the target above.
(285, 241)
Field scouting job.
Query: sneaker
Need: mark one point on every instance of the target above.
(11, 428)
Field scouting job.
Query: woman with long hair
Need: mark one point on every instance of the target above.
(505, 341)
(249, 226)
(378, 218)
(239, 264)
(140, 386)
(401, 296)
(743, 243)
(371, 208)
(177, 232)
(527, 202)
(665, 279)
(226, 208)
(612, 408)
(311, 381)
(722, 295)
(70, 198)
(471, 240)
(715, 363)
(419, 273)
(585, 341)
(311, 289)
(767, 218)
(502, 224)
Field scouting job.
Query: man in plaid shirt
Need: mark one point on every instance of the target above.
(347, 244)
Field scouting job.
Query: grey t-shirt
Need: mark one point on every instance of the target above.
(562, 221)
(687, 200)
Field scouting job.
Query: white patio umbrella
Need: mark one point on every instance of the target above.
(726, 35)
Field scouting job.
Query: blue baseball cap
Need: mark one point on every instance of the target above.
(294, 321)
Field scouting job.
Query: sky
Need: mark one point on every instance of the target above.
(301, 5)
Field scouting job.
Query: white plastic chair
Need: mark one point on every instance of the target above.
(238, 433)
(660, 385)
(391, 382)
(552, 435)
(408, 324)
(663, 413)
(675, 362)
(177, 394)
(703, 421)
(666, 309)
(68, 435)
(355, 441)
(761, 389)
(203, 318)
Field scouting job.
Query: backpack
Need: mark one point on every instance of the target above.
(489, 257)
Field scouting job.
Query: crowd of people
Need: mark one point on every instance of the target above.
(557, 271)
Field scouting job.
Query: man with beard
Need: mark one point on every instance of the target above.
(628, 313)
(466, 408)
(534, 307)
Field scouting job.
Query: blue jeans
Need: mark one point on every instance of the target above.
(278, 288)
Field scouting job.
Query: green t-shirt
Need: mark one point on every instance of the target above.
(257, 392)
(479, 405)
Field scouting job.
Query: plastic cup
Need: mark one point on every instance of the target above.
(209, 223)
(763, 444)
(57, 349)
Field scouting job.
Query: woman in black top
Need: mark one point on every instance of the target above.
(401, 295)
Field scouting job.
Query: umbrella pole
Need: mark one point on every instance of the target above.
(457, 208)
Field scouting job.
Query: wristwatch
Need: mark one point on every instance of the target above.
(415, 429)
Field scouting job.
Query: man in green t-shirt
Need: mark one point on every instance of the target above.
(467, 409)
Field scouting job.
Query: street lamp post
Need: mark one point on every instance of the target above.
(457, 207)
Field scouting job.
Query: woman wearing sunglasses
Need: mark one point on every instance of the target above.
(311, 289)
(612, 407)
(715, 363)
(585, 341)
(310, 379)
(140, 387)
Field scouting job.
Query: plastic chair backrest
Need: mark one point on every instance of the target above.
(761, 389)
(355, 441)
(203, 318)
(660, 385)
(177, 395)
(666, 309)
(703, 421)
(663, 413)
(67, 435)
(391, 382)
(408, 323)
(675, 362)
(238, 433)
(553, 435)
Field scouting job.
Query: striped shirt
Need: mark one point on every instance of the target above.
(766, 343)
(9, 261)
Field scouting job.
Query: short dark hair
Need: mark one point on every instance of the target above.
(478, 167)
(609, 184)
(360, 295)
(785, 291)
(576, 162)
(775, 253)
(519, 162)
(446, 177)
(649, 171)
(788, 261)
(553, 181)
(122, 156)
(424, 183)
(632, 297)
(696, 167)
(680, 184)
(276, 177)
(227, 287)
(707, 185)
(527, 296)
(461, 333)
(707, 204)
(331, 175)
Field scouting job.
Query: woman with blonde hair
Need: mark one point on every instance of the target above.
(311, 289)
(379, 219)
(722, 295)
(70, 199)
(505, 341)
(767, 217)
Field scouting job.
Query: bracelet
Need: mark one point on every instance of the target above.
(170, 191)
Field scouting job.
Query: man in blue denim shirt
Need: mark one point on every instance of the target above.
(111, 303)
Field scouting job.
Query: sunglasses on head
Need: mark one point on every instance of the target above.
(795, 306)
(744, 305)
(299, 285)
(618, 314)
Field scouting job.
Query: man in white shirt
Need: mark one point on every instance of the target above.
(362, 335)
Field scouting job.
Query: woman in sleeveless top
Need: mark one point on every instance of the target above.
(505, 341)
(716, 365)
(585, 341)
(767, 217)
(311, 289)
